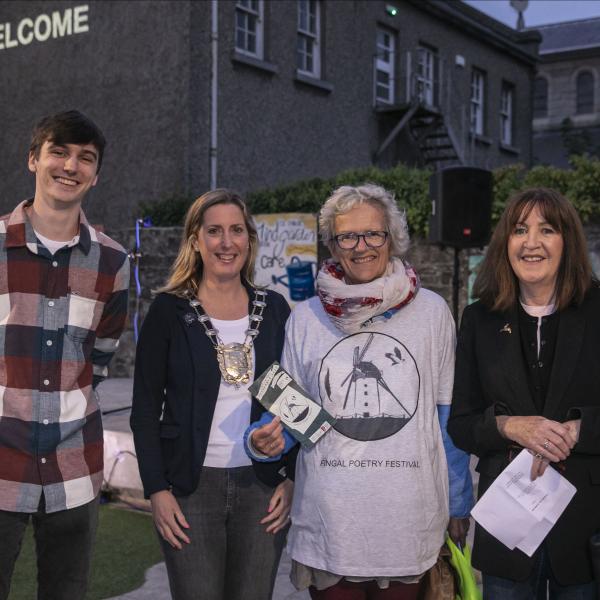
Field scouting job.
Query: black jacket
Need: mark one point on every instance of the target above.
(175, 390)
(491, 380)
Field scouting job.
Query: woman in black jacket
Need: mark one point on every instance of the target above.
(527, 376)
(206, 336)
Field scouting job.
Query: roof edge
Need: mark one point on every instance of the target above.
(521, 44)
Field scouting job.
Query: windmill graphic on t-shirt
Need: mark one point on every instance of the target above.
(370, 382)
(365, 384)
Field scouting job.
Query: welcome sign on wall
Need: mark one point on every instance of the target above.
(287, 255)
(42, 27)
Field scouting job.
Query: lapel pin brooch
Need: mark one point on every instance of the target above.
(506, 328)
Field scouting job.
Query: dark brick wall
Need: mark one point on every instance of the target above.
(130, 73)
(142, 71)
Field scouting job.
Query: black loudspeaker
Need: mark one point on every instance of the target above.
(461, 207)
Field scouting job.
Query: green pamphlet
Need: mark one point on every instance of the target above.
(279, 393)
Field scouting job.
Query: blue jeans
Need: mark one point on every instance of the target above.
(540, 585)
(230, 556)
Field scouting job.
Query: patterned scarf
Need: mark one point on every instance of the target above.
(352, 307)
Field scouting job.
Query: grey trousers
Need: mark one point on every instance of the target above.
(230, 556)
(63, 542)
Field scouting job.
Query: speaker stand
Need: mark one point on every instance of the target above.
(455, 286)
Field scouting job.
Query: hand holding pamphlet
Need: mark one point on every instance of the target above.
(277, 391)
(519, 512)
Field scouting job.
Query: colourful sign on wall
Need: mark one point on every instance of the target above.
(287, 256)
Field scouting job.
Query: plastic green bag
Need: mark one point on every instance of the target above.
(461, 561)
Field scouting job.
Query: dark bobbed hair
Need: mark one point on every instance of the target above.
(497, 286)
(69, 127)
(186, 272)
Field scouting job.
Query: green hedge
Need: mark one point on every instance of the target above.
(581, 184)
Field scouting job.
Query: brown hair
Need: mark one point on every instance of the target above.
(496, 284)
(186, 272)
(70, 127)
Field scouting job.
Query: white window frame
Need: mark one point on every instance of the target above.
(507, 102)
(309, 38)
(250, 16)
(385, 62)
(425, 75)
(477, 102)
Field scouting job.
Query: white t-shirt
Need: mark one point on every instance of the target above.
(54, 246)
(371, 497)
(232, 412)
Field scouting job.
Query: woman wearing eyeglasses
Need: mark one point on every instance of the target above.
(370, 509)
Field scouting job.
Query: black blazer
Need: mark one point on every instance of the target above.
(175, 390)
(491, 380)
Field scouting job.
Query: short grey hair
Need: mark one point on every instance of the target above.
(346, 197)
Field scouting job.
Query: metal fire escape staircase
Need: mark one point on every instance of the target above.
(434, 139)
(427, 124)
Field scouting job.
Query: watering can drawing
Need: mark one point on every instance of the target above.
(300, 279)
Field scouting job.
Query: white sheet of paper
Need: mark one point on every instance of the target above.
(518, 512)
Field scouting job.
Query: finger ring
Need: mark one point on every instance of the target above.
(537, 455)
(546, 444)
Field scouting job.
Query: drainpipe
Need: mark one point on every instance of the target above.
(214, 44)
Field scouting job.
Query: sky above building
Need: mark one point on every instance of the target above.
(539, 12)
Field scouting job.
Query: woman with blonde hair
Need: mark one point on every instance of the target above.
(207, 334)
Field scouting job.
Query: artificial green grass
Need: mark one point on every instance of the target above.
(126, 546)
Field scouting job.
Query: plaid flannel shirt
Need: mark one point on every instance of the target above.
(61, 317)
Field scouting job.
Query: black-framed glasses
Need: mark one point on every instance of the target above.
(349, 241)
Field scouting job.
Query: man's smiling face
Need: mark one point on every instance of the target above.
(64, 172)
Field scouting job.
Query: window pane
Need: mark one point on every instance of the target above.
(308, 44)
(240, 39)
(302, 15)
(313, 16)
(248, 27)
(383, 93)
(585, 93)
(383, 78)
(540, 97)
(301, 54)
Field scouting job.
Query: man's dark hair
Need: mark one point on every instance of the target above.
(69, 127)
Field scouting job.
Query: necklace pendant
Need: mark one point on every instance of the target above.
(235, 359)
(235, 362)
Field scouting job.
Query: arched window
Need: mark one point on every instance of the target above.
(540, 97)
(585, 93)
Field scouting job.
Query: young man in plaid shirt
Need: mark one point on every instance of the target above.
(63, 305)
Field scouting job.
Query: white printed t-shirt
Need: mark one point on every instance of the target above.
(371, 498)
